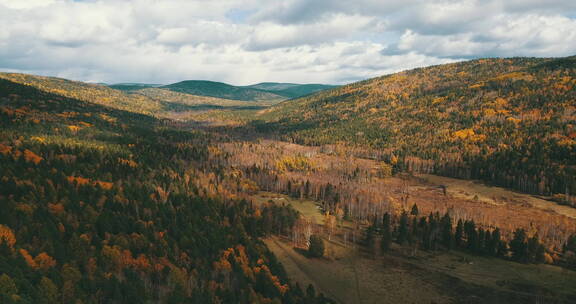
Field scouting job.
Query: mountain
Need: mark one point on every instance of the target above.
(291, 90)
(511, 122)
(222, 90)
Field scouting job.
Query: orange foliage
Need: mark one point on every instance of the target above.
(32, 157)
(104, 185)
(7, 236)
(5, 149)
(44, 261)
(80, 181)
(28, 258)
(57, 209)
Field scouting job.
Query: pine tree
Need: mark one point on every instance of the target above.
(386, 232)
(447, 236)
(316, 248)
(519, 246)
(414, 210)
(403, 229)
(459, 235)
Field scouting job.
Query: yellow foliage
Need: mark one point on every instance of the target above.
(468, 134)
(128, 162)
(501, 102)
(74, 128)
(464, 133)
(85, 124)
(38, 139)
(296, 163)
(514, 120)
(566, 142)
(107, 118)
(438, 100)
(68, 114)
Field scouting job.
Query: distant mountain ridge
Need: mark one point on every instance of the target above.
(221, 90)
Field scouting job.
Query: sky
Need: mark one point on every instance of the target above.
(249, 41)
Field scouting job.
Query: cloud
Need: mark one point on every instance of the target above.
(248, 41)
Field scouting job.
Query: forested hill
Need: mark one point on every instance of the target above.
(93, 93)
(508, 121)
(222, 90)
(100, 205)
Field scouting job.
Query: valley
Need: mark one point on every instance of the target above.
(447, 184)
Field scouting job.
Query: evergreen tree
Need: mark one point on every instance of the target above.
(403, 229)
(459, 235)
(519, 246)
(414, 210)
(316, 248)
(386, 232)
(447, 235)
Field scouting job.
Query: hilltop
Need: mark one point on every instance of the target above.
(222, 90)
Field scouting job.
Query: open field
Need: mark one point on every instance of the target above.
(473, 190)
(307, 208)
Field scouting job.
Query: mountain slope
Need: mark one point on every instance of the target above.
(94, 93)
(508, 121)
(222, 90)
(101, 205)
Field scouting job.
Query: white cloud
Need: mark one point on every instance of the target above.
(247, 41)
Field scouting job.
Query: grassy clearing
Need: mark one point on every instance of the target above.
(473, 190)
(307, 208)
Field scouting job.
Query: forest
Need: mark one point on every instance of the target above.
(151, 195)
(105, 206)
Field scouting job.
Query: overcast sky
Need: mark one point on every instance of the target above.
(248, 41)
